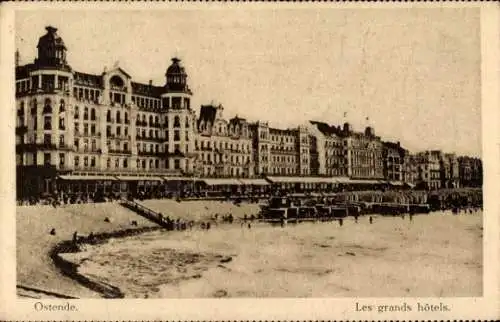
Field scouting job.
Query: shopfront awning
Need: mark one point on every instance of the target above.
(411, 185)
(302, 179)
(87, 178)
(222, 182)
(354, 181)
(134, 178)
(340, 179)
(177, 179)
(254, 182)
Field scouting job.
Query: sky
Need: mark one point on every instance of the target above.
(412, 74)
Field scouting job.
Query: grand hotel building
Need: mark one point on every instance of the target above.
(82, 131)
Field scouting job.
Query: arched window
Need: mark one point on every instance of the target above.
(108, 116)
(118, 116)
(151, 120)
(92, 114)
(150, 133)
(86, 113)
(47, 107)
(62, 106)
(157, 120)
(177, 122)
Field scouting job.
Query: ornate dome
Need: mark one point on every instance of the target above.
(51, 38)
(175, 68)
(51, 48)
(176, 76)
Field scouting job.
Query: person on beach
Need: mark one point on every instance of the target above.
(75, 237)
(341, 222)
(411, 216)
(356, 218)
(371, 220)
(249, 226)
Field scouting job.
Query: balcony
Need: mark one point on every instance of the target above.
(21, 129)
(33, 147)
(119, 151)
(151, 153)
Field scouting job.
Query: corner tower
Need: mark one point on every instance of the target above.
(179, 119)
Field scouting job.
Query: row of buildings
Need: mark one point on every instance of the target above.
(75, 124)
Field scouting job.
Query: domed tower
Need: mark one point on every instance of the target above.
(179, 118)
(51, 50)
(176, 76)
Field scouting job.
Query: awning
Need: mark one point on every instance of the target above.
(396, 183)
(302, 179)
(222, 182)
(177, 179)
(411, 185)
(84, 178)
(133, 178)
(340, 179)
(354, 181)
(254, 182)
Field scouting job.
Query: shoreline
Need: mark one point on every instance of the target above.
(70, 269)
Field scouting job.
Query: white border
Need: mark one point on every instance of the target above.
(486, 307)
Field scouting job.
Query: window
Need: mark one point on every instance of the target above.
(118, 117)
(177, 164)
(108, 163)
(46, 158)
(125, 163)
(177, 122)
(177, 135)
(61, 140)
(92, 162)
(61, 159)
(151, 133)
(125, 131)
(85, 128)
(61, 124)
(151, 120)
(94, 145)
(187, 136)
(47, 123)
(77, 161)
(92, 114)
(85, 161)
(92, 129)
(126, 117)
(150, 163)
(108, 116)
(85, 145)
(125, 146)
(118, 130)
(108, 130)
(62, 106)
(157, 163)
(86, 113)
(47, 139)
(77, 144)
(117, 163)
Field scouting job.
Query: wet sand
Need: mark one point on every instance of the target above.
(434, 255)
(35, 268)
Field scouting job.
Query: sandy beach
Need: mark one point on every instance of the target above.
(439, 254)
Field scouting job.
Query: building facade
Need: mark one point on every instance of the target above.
(110, 126)
(68, 121)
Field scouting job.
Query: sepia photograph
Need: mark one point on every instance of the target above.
(218, 159)
(250, 152)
